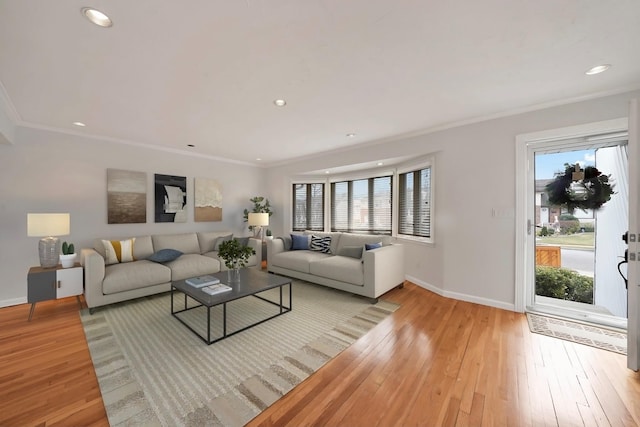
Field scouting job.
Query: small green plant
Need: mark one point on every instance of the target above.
(234, 254)
(269, 232)
(562, 283)
(260, 205)
(68, 249)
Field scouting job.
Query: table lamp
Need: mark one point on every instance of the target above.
(257, 220)
(48, 226)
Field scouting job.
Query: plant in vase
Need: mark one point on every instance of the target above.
(269, 234)
(68, 256)
(235, 256)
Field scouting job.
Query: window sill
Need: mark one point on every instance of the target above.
(415, 240)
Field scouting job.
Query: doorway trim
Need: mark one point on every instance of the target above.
(525, 258)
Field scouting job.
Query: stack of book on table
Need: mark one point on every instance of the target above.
(202, 281)
(216, 288)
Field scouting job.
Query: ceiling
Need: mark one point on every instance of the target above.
(206, 72)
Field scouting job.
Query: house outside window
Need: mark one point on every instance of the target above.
(415, 202)
(362, 206)
(308, 207)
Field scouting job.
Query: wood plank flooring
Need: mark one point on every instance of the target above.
(434, 362)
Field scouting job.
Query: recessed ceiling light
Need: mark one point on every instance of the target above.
(380, 163)
(191, 145)
(280, 102)
(79, 124)
(597, 69)
(351, 135)
(326, 171)
(97, 17)
(259, 159)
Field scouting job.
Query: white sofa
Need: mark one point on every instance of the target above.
(371, 275)
(108, 284)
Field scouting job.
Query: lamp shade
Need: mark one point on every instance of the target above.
(258, 218)
(48, 224)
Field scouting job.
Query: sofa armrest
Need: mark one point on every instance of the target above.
(274, 246)
(383, 268)
(94, 271)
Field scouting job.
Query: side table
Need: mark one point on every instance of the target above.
(45, 284)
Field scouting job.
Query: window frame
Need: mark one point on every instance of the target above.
(308, 183)
(425, 163)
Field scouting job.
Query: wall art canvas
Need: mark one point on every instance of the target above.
(126, 197)
(207, 200)
(170, 198)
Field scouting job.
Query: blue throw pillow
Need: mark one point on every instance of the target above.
(165, 255)
(368, 246)
(299, 242)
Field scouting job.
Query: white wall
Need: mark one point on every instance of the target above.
(52, 172)
(473, 255)
(7, 128)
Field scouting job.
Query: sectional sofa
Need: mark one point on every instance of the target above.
(124, 269)
(344, 261)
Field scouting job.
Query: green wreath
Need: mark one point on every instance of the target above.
(590, 192)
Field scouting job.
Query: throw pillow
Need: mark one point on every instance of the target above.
(220, 240)
(286, 240)
(368, 246)
(243, 241)
(165, 255)
(351, 251)
(117, 251)
(320, 244)
(299, 242)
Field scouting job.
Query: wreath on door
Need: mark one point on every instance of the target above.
(577, 188)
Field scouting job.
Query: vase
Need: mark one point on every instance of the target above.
(67, 261)
(233, 275)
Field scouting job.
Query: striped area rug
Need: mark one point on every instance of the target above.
(152, 370)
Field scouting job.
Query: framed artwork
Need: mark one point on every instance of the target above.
(208, 200)
(126, 197)
(170, 198)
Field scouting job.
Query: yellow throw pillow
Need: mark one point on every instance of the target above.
(118, 250)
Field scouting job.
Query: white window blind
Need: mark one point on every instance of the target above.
(362, 206)
(414, 202)
(308, 207)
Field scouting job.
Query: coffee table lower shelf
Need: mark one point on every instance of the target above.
(223, 301)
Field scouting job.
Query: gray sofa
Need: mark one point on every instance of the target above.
(371, 274)
(107, 284)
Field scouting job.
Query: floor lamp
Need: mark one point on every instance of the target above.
(48, 226)
(257, 220)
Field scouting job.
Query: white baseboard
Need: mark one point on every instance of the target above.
(10, 302)
(462, 297)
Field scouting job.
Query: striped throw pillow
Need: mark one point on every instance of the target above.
(320, 244)
(118, 250)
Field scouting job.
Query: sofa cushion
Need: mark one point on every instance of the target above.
(369, 246)
(341, 268)
(351, 251)
(186, 243)
(320, 244)
(192, 265)
(350, 239)
(297, 260)
(220, 240)
(207, 239)
(335, 238)
(165, 255)
(118, 250)
(134, 275)
(299, 242)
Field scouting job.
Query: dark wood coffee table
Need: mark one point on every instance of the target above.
(251, 283)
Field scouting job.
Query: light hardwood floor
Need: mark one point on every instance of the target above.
(435, 361)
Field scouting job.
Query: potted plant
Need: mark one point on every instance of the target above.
(269, 234)
(235, 256)
(260, 205)
(68, 256)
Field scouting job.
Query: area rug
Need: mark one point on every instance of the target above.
(152, 370)
(594, 336)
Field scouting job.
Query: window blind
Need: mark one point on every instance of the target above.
(362, 206)
(308, 207)
(414, 203)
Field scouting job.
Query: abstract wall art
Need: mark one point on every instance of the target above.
(207, 200)
(126, 197)
(170, 198)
